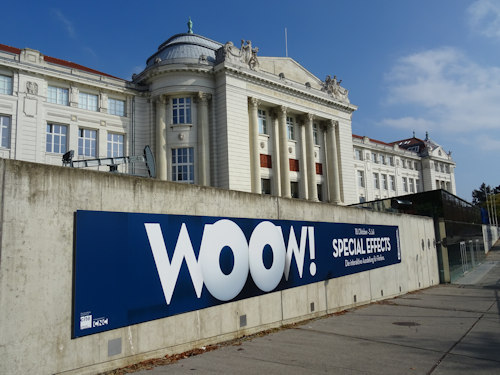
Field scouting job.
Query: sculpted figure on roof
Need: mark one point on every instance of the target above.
(246, 54)
(249, 54)
(332, 87)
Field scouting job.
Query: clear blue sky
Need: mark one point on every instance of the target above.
(423, 65)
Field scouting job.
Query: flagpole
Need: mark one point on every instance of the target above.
(286, 43)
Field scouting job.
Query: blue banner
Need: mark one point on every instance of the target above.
(131, 268)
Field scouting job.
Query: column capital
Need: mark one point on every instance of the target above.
(254, 102)
(202, 97)
(282, 110)
(161, 99)
(332, 124)
(306, 119)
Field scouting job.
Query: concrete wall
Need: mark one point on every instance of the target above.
(36, 259)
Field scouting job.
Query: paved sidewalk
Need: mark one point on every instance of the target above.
(448, 329)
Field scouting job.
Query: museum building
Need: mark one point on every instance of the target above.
(214, 114)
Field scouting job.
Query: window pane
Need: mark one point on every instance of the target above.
(56, 138)
(5, 85)
(181, 110)
(183, 165)
(87, 142)
(115, 145)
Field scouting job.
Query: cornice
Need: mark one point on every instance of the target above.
(102, 82)
(284, 87)
(159, 70)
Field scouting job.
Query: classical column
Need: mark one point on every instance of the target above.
(161, 138)
(284, 160)
(203, 139)
(276, 154)
(311, 161)
(332, 163)
(254, 145)
(303, 167)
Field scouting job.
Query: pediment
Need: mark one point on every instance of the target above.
(291, 70)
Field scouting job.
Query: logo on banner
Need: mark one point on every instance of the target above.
(87, 322)
(206, 269)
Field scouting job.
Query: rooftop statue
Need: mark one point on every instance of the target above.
(246, 54)
(333, 88)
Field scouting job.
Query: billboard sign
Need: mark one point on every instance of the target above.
(131, 268)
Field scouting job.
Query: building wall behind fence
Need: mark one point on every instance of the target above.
(490, 236)
(38, 204)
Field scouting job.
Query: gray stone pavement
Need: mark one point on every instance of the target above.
(448, 329)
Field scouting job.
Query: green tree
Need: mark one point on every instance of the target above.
(479, 197)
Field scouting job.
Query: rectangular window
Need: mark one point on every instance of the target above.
(374, 157)
(183, 165)
(384, 181)
(404, 162)
(57, 95)
(315, 134)
(266, 161)
(116, 107)
(265, 185)
(412, 185)
(87, 101)
(391, 161)
(56, 138)
(5, 84)
(417, 183)
(382, 159)
(5, 131)
(294, 189)
(319, 169)
(262, 121)
(115, 145)
(361, 179)
(87, 142)
(358, 154)
(392, 183)
(405, 184)
(294, 165)
(376, 182)
(181, 108)
(290, 128)
(436, 166)
(319, 188)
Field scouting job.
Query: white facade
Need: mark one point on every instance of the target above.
(43, 109)
(385, 170)
(215, 115)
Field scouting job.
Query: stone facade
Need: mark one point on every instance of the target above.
(214, 114)
(385, 170)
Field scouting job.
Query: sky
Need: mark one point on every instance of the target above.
(414, 65)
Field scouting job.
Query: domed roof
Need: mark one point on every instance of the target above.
(185, 48)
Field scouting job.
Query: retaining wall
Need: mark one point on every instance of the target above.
(38, 203)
